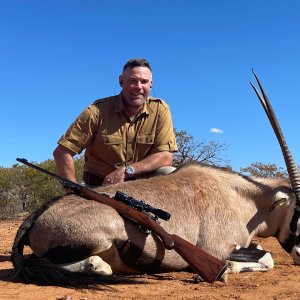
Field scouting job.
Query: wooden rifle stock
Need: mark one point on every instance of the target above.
(207, 266)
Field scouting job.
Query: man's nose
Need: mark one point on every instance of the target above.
(139, 84)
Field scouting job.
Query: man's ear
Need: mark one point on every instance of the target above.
(120, 80)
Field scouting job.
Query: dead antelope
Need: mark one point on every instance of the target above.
(216, 210)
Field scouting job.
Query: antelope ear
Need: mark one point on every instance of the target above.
(280, 198)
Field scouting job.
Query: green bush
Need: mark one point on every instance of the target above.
(25, 189)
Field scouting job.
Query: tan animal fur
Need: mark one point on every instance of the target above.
(213, 208)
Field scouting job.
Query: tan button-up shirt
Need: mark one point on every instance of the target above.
(112, 139)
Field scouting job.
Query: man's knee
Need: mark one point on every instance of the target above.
(164, 171)
(158, 172)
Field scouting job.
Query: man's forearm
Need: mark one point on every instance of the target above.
(153, 162)
(64, 163)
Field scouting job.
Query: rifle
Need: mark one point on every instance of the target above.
(207, 266)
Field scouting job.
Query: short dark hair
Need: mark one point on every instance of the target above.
(137, 62)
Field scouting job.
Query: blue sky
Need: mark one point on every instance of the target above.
(57, 57)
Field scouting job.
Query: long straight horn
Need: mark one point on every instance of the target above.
(288, 158)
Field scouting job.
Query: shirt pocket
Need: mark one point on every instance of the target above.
(112, 139)
(145, 138)
(145, 143)
(110, 148)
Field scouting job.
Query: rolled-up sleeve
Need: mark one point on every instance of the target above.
(164, 136)
(80, 133)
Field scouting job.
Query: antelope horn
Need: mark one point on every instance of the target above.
(288, 158)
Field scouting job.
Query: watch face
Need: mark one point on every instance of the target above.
(129, 171)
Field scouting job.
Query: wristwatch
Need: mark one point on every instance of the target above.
(129, 171)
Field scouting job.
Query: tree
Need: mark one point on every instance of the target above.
(26, 189)
(258, 169)
(7, 202)
(190, 149)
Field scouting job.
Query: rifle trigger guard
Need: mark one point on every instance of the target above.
(144, 230)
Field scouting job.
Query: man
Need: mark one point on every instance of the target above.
(124, 136)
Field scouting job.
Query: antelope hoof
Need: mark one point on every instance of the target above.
(97, 265)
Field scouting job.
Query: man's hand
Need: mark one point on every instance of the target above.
(115, 177)
(149, 164)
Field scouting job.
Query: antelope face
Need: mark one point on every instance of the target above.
(290, 238)
(295, 253)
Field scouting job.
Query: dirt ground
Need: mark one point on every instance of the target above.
(281, 283)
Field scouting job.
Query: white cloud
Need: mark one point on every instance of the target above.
(216, 130)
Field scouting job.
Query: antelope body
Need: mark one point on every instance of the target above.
(217, 210)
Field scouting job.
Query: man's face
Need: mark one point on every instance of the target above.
(136, 84)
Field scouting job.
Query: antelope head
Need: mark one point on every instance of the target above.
(292, 241)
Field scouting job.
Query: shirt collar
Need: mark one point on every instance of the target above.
(119, 106)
